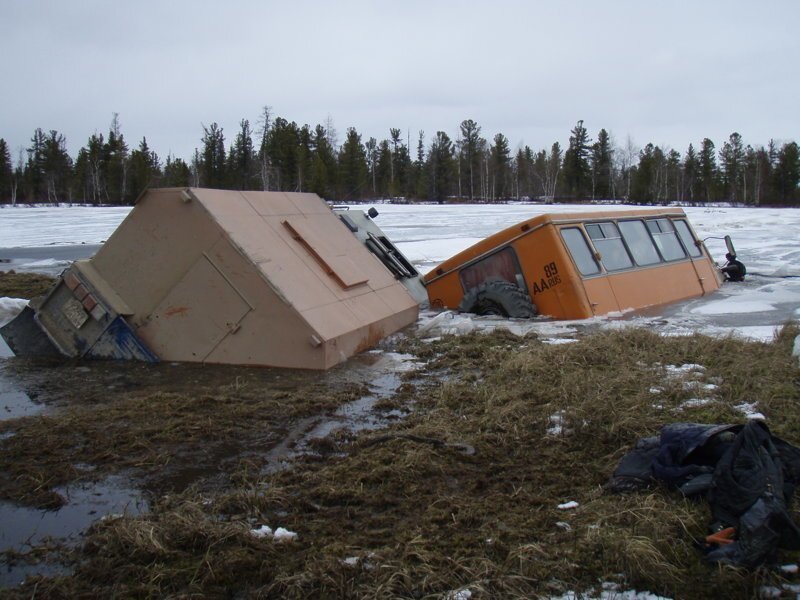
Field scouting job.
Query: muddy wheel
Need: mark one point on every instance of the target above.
(497, 297)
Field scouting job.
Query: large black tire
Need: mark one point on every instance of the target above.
(498, 297)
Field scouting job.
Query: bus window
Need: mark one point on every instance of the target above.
(608, 242)
(639, 242)
(665, 238)
(688, 239)
(500, 265)
(580, 251)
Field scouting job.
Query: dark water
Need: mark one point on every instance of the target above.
(22, 528)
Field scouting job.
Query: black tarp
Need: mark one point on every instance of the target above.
(747, 475)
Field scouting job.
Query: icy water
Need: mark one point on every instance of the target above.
(24, 528)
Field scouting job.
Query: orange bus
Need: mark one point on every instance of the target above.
(574, 266)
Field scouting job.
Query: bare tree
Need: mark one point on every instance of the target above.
(264, 125)
(331, 134)
(626, 157)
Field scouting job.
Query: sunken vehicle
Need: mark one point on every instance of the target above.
(281, 279)
(580, 265)
(226, 277)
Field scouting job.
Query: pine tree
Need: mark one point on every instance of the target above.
(441, 167)
(323, 165)
(241, 161)
(264, 163)
(176, 173)
(500, 153)
(212, 165)
(56, 167)
(731, 158)
(577, 171)
(786, 176)
(384, 169)
(644, 176)
(371, 148)
(470, 151)
(33, 178)
(6, 172)
(691, 168)
(352, 166)
(115, 159)
(602, 167)
(282, 147)
(144, 170)
(707, 170)
(419, 184)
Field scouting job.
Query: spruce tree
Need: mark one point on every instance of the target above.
(441, 167)
(144, 170)
(691, 169)
(786, 175)
(602, 167)
(470, 150)
(352, 167)
(577, 171)
(56, 167)
(212, 162)
(241, 161)
(176, 173)
(6, 172)
(500, 153)
(707, 170)
(115, 159)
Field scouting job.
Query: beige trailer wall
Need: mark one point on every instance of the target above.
(153, 248)
(250, 278)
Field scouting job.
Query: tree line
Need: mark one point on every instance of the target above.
(281, 155)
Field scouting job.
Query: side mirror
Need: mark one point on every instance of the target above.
(729, 245)
(372, 213)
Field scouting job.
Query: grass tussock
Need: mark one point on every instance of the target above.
(24, 285)
(407, 512)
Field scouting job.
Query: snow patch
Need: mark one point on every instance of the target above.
(557, 424)
(262, 532)
(748, 409)
(284, 535)
(279, 535)
(10, 308)
(459, 595)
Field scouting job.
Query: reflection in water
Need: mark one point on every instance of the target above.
(22, 528)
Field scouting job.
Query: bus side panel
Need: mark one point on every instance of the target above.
(553, 283)
(445, 292)
(708, 273)
(601, 295)
(657, 285)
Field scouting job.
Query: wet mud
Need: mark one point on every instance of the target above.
(310, 413)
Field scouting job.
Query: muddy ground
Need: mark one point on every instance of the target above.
(424, 469)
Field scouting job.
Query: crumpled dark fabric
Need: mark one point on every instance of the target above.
(747, 474)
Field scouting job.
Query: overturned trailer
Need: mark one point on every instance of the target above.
(200, 275)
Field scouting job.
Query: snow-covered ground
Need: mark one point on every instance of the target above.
(767, 241)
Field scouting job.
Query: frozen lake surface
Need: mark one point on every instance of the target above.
(767, 240)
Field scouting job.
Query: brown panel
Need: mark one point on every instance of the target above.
(195, 316)
(337, 265)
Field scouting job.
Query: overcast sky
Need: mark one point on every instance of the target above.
(666, 72)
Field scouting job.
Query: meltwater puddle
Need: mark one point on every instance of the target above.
(359, 415)
(22, 528)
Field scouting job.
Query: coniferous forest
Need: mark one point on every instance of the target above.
(281, 155)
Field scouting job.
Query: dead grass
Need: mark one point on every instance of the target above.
(24, 285)
(406, 516)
